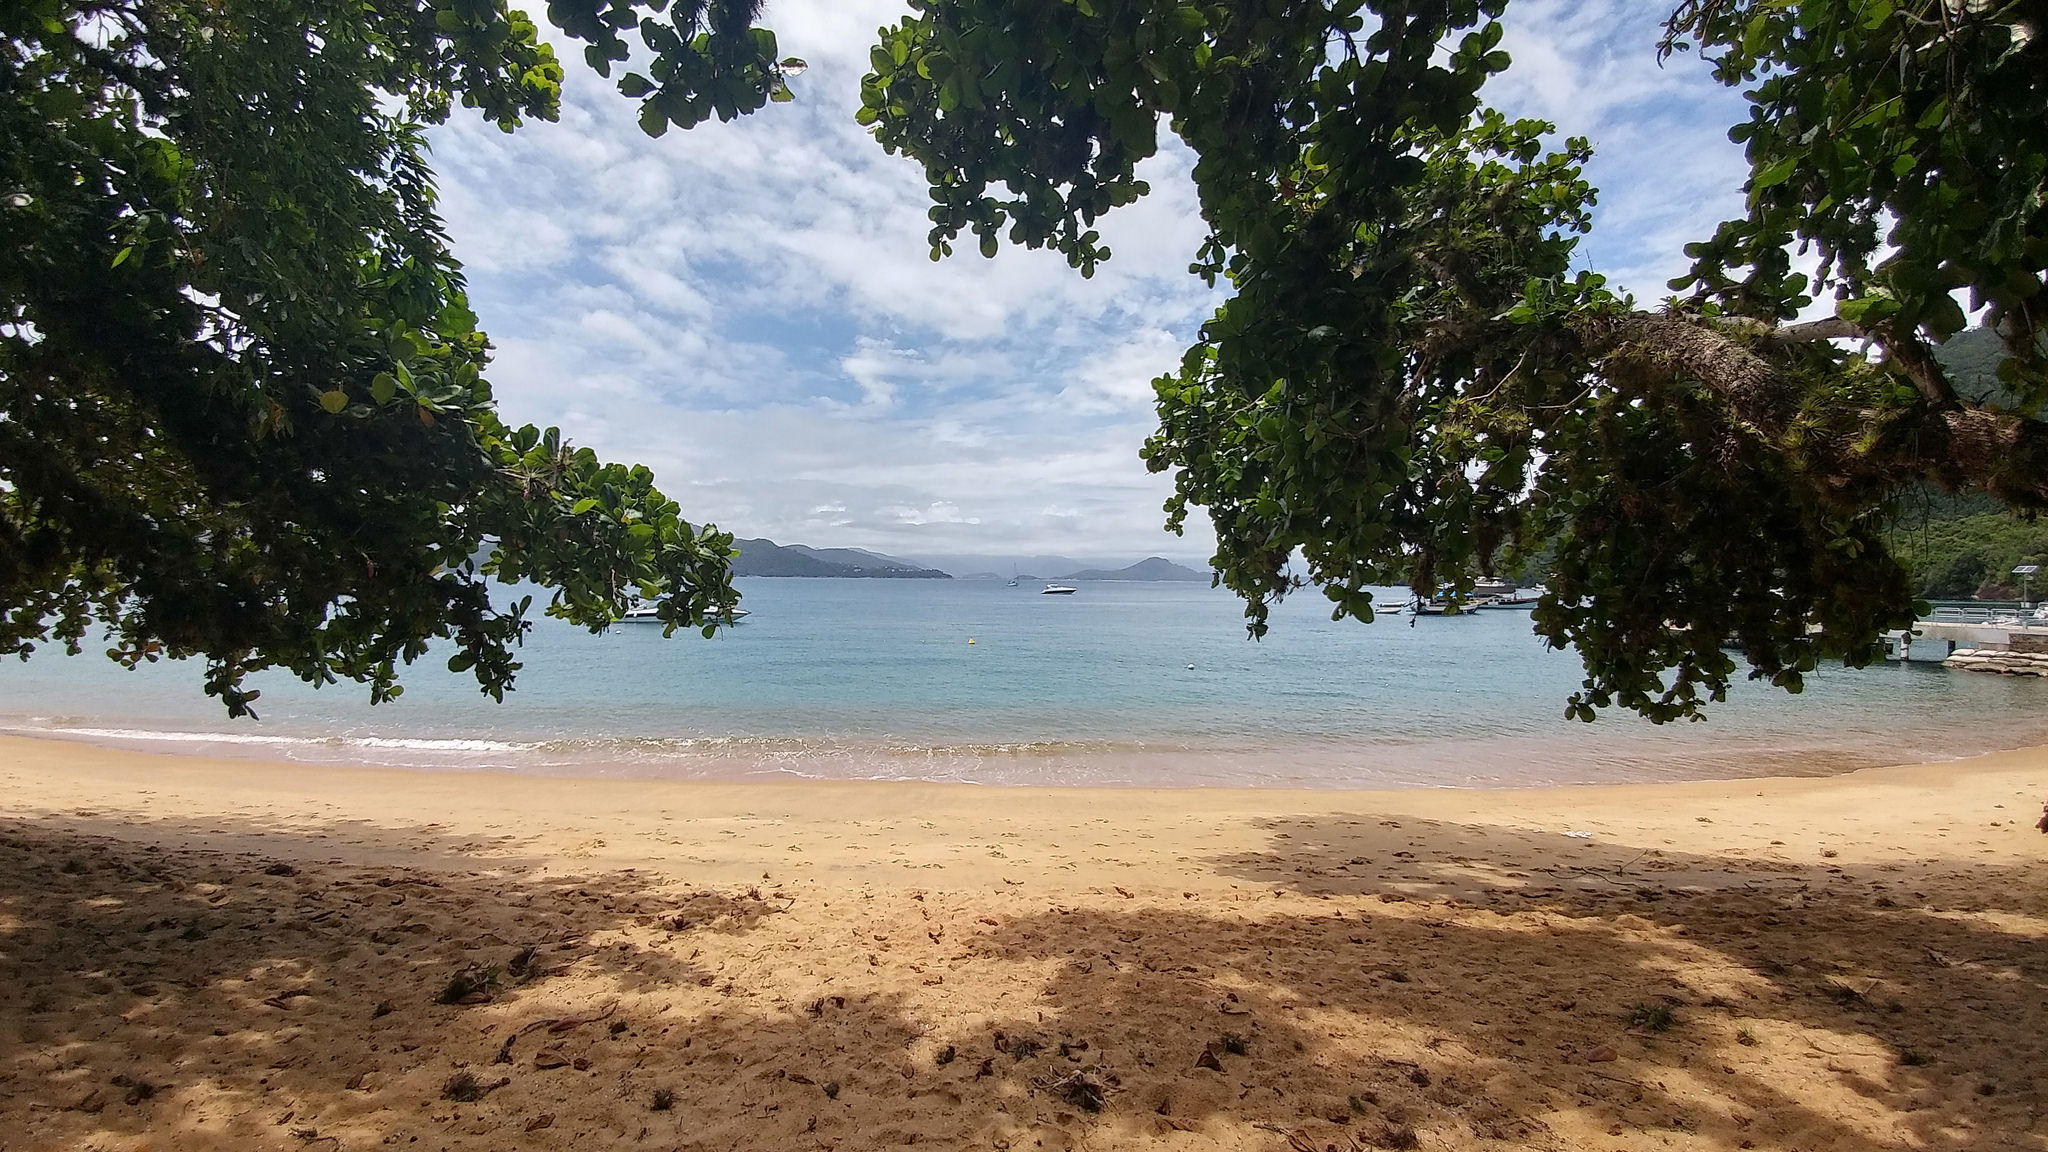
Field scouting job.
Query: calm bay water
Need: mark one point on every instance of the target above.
(877, 679)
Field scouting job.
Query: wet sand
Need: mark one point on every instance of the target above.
(226, 954)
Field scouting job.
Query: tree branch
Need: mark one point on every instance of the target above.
(1950, 442)
(1917, 361)
(1907, 351)
(1755, 390)
(1832, 328)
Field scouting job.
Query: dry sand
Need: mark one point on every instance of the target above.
(201, 955)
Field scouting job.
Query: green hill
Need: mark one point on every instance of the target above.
(1150, 568)
(1963, 545)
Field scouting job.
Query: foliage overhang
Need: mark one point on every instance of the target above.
(243, 406)
(1410, 383)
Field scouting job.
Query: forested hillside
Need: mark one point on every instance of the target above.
(1962, 546)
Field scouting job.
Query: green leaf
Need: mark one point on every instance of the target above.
(634, 85)
(334, 400)
(1868, 311)
(1774, 175)
(653, 120)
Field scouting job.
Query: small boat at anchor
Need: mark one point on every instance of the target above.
(650, 614)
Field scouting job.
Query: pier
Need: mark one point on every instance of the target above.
(1979, 640)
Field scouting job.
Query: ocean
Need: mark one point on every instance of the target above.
(973, 681)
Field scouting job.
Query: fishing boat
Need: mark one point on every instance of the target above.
(1513, 597)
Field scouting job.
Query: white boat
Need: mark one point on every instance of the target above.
(1442, 606)
(1057, 590)
(649, 614)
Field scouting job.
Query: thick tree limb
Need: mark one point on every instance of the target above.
(1917, 361)
(1948, 441)
(1755, 390)
(1909, 353)
(1832, 328)
(2006, 454)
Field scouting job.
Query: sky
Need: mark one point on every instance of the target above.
(749, 308)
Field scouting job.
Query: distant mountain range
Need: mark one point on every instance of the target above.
(1006, 567)
(1054, 567)
(767, 558)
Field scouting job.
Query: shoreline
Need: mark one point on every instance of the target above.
(230, 955)
(1505, 761)
(567, 823)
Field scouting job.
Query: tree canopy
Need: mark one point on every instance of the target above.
(243, 410)
(244, 416)
(1410, 384)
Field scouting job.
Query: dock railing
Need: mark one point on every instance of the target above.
(1980, 613)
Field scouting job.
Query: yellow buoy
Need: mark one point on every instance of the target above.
(970, 639)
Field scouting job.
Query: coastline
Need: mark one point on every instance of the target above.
(728, 831)
(231, 954)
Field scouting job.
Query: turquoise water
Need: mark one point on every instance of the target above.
(877, 679)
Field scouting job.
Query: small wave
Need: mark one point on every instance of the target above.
(837, 747)
(161, 736)
(432, 745)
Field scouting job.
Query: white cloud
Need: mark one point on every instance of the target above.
(749, 309)
(1664, 167)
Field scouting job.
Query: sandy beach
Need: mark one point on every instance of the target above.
(230, 954)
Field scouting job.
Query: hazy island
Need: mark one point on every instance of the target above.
(767, 558)
(761, 557)
(1150, 568)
